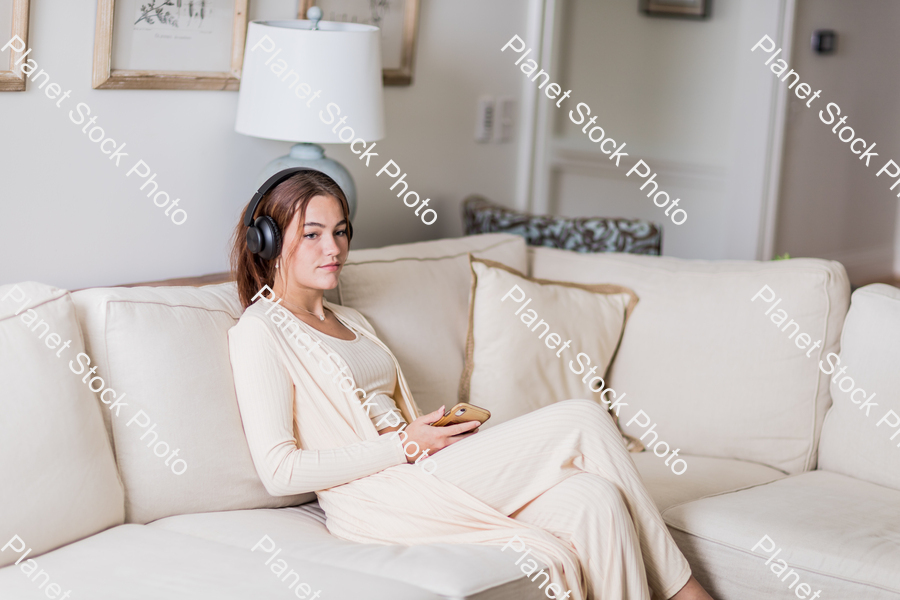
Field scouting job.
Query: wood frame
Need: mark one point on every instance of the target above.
(10, 81)
(658, 9)
(105, 78)
(403, 75)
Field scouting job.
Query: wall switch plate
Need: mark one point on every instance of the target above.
(484, 122)
(824, 41)
(504, 118)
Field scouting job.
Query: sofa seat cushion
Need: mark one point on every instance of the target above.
(57, 472)
(706, 476)
(416, 296)
(704, 361)
(446, 570)
(166, 350)
(149, 563)
(841, 535)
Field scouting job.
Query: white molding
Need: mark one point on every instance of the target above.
(757, 132)
(587, 160)
(752, 181)
(543, 173)
(769, 213)
(528, 113)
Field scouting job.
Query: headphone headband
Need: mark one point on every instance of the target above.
(268, 185)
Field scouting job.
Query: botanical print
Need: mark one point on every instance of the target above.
(178, 35)
(175, 15)
(387, 15)
(353, 13)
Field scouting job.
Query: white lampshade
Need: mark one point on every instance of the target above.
(341, 60)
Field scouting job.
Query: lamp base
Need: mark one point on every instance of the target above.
(313, 156)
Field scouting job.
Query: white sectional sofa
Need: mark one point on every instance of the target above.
(90, 508)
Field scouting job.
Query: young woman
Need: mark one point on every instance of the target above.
(557, 481)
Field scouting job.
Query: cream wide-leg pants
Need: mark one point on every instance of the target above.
(564, 468)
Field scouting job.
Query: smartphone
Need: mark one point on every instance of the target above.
(462, 413)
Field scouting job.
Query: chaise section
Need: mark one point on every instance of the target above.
(57, 471)
(839, 534)
(446, 570)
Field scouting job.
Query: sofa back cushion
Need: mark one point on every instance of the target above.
(57, 470)
(416, 296)
(858, 438)
(706, 363)
(166, 350)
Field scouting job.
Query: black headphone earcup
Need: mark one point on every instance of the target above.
(271, 237)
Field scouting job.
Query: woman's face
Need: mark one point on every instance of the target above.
(322, 245)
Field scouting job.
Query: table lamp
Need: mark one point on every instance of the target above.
(312, 82)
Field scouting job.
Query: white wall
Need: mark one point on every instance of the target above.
(689, 100)
(831, 205)
(74, 220)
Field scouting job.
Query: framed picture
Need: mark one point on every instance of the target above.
(694, 9)
(13, 22)
(398, 21)
(169, 44)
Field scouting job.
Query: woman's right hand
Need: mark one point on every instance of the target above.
(434, 439)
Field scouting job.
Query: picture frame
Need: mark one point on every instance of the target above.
(689, 9)
(399, 24)
(140, 44)
(15, 22)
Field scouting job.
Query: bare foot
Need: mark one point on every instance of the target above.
(692, 590)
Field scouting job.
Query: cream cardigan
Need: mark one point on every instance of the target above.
(306, 434)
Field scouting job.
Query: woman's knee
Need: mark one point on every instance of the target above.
(597, 497)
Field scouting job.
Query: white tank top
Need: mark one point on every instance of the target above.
(372, 370)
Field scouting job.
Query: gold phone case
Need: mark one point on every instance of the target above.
(463, 413)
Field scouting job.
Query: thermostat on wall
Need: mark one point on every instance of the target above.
(824, 41)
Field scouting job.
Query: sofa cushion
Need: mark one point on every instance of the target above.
(706, 364)
(510, 365)
(166, 350)
(489, 573)
(853, 442)
(416, 296)
(146, 563)
(57, 470)
(841, 535)
(706, 477)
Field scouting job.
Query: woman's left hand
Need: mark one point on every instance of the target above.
(431, 438)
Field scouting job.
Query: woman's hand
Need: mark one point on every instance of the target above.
(434, 439)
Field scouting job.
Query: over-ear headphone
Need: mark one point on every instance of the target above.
(263, 234)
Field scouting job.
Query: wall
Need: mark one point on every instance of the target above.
(831, 205)
(75, 220)
(690, 100)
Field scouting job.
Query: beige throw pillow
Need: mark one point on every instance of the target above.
(534, 342)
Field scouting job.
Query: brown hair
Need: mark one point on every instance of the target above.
(251, 272)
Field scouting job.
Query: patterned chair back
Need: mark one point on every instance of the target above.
(581, 234)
